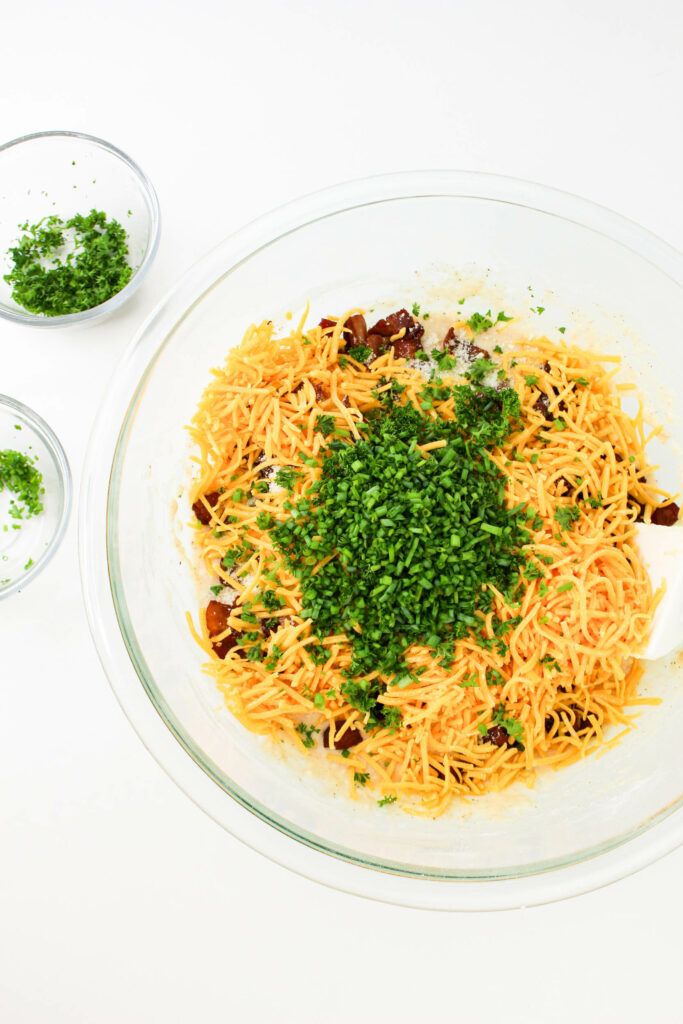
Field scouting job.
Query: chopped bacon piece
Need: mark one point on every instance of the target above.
(461, 347)
(405, 347)
(217, 615)
(201, 511)
(666, 515)
(349, 738)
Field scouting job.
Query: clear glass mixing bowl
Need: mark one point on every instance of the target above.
(382, 239)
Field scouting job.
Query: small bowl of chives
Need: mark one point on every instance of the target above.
(79, 228)
(35, 495)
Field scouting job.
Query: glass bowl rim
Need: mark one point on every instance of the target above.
(536, 883)
(154, 215)
(53, 444)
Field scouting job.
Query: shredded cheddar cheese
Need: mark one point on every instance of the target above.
(565, 671)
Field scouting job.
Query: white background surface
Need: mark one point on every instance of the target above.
(119, 900)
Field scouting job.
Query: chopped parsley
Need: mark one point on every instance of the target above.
(325, 424)
(387, 800)
(567, 516)
(479, 369)
(272, 660)
(512, 726)
(361, 353)
(318, 654)
(444, 360)
(48, 280)
(287, 477)
(306, 733)
(478, 323)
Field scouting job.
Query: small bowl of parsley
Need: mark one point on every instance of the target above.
(35, 494)
(79, 228)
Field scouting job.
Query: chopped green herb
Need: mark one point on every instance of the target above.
(48, 281)
(387, 800)
(287, 477)
(360, 778)
(567, 516)
(493, 677)
(19, 475)
(564, 587)
(479, 323)
(512, 726)
(324, 424)
(444, 360)
(306, 733)
(416, 309)
(470, 680)
(413, 541)
(479, 369)
(318, 654)
(361, 353)
(272, 660)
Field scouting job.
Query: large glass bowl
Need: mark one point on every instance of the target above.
(366, 242)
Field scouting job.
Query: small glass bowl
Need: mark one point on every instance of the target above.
(27, 545)
(66, 173)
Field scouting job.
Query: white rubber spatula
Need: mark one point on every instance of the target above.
(661, 549)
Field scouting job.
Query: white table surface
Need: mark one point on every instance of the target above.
(120, 900)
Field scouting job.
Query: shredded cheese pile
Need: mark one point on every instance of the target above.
(566, 666)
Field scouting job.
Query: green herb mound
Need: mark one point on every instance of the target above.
(45, 282)
(415, 542)
(18, 474)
